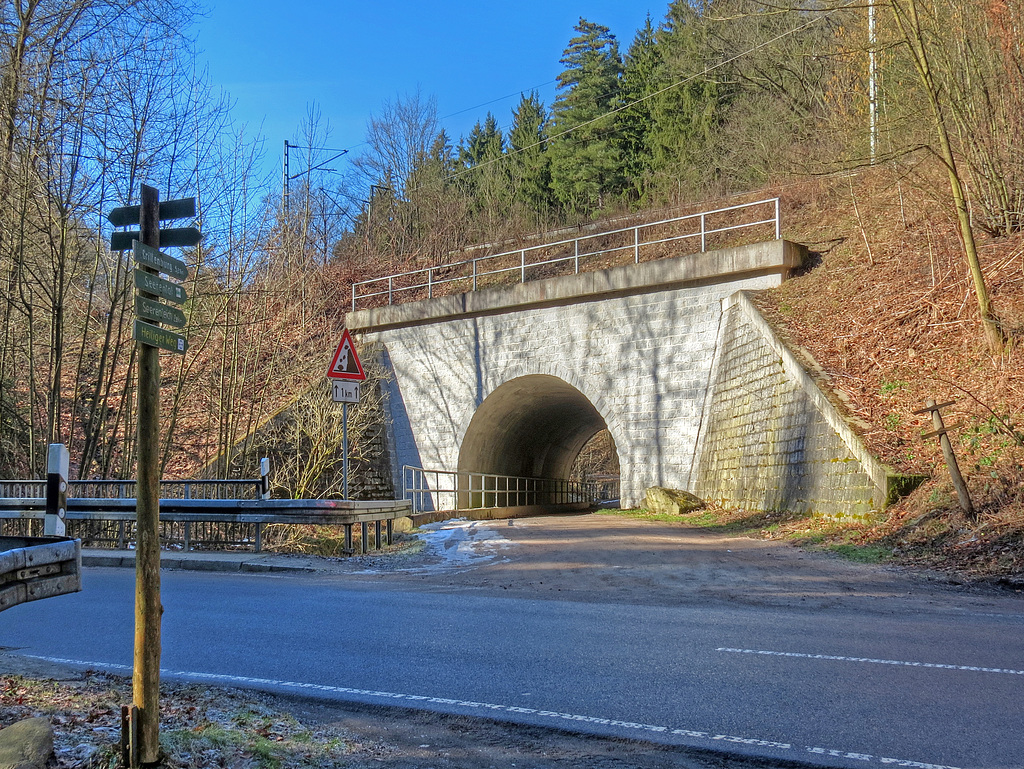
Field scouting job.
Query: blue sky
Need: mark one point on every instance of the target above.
(275, 59)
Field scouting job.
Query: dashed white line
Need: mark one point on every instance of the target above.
(491, 708)
(871, 660)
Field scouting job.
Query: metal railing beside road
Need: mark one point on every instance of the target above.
(469, 274)
(246, 488)
(437, 490)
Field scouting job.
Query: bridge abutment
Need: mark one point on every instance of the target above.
(539, 366)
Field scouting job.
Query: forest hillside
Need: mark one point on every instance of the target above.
(889, 130)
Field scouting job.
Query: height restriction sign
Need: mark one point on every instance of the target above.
(345, 363)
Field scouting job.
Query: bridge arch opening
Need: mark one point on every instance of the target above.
(533, 426)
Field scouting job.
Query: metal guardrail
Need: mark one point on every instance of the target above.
(471, 271)
(246, 488)
(435, 490)
(111, 521)
(32, 568)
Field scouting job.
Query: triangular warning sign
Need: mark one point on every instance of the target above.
(345, 363)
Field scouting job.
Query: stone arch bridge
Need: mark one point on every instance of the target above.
(670, 356)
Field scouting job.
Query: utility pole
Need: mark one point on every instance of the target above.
(284, 188)
(872, 83)
(288, 176)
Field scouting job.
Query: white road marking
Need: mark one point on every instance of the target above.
(901, 663)
(490, 708)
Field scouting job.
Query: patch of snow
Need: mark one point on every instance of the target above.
(452, 544)
(460, 542)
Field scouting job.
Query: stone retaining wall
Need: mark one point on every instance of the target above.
(770, 438)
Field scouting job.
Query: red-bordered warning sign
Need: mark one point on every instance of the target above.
(345, 363)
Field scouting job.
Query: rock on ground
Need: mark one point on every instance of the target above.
(27, 744)
(662, 501)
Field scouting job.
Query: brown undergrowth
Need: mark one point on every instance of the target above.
(886, 309)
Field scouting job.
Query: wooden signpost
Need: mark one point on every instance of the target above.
(141, 724)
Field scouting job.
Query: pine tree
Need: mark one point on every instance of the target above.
(488, 184)
(586, 159)
(484, 142)
(686, 115)
(528, 158)
(641, 70)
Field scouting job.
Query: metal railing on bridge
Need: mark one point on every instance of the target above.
(446, 490)
(471, 274)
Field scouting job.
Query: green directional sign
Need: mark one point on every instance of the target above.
(158, 260)
(155, 336)
(184, 208)
(160, 313)
(172, 237)
(151, 284)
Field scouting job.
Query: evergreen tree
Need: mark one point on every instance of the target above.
(640, 78)
(586, 159)
(528, 159)
(488, 184)
(484, 143)
(686, 115)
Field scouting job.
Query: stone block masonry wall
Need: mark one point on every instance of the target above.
(770, 438)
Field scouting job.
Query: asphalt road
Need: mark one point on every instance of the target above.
(940, 687)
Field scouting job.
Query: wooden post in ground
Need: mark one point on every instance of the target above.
(947, 451)
(146, 673)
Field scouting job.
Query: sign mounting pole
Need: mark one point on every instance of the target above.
(344, 451)
(140, 724)
(146, 670)
(345, 372)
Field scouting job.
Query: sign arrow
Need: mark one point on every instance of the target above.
(184, 208)
(158, 260)
(151, 284)
(149, 309)
(180, 237)
(154, 336)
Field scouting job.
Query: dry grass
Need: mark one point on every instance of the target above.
(200, 726)
(329, 541)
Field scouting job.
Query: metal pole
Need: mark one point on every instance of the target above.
(57, 464)
(344, 450)
(284, 188)
(872, 82)
(146, 672)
